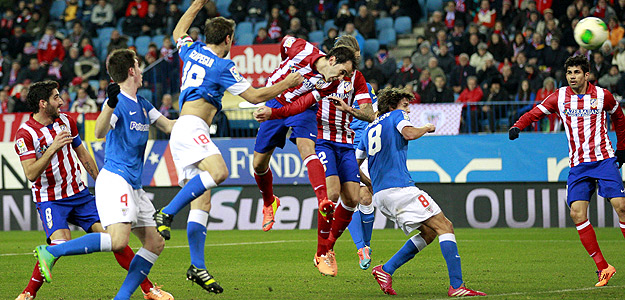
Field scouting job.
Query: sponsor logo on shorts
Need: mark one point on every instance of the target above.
(124, 211)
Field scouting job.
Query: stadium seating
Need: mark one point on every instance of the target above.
(327, 25)
(57, 9)
(244, 39)
(120, 22)
(222, 7)
(244, 27)
(316, 37)
(403, 25)
(94, 84)
(371, 47)
(259, 25)
(146, 93)
(142, 44)
(131, 41)
(158, 40)
(105, 33)
(388, 37)
(424, 11)
(383, 23)
(185, 5)
(434, 5)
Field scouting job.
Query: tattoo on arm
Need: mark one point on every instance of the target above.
(91, 170)
(365, 112)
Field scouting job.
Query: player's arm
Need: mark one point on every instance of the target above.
(548, 106)
(164, 124)
(361, 155)
(255, 96)
(365, 112)
(33, 168)
(410, 132)
(618, 119)
(103, 122)
(187, 18)
(296, 107)
(87, 160)
(363, 97)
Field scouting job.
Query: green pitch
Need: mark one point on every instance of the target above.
(505, 263)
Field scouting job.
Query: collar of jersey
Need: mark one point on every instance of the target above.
(128, 96)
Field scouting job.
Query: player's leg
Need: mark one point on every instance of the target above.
(619, 206)
(316, 174)
(348, 172)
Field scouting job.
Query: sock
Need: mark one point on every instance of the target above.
(265, 184)
(124, 258)
(316, 176)
(342, 217)
(589, 241)
(193, 189)
(450, 253)
(89, 243)
(323, 232)
(367, 217)
(139, 269)
(196, 234)
(36, 279)
(622, 225)
(355, 230)
(412, 246)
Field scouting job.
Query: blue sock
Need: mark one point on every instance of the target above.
(193, 189)
(89, 243)
(406, 253)
(450, 253)
(367, 227)
(196, 234)
(355, 230)
(137, 272)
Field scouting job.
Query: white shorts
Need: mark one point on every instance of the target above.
(190, 143)
(364, 167)
(407, 206)
(118, 202)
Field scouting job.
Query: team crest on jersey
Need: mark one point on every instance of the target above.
(321, 83)
(289, 42)
(21, 146)
(406, 117)
(593, 103)
(63, 127)
(236, 74)
(346, 86)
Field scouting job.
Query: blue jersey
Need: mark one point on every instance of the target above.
(386, 148)
(126, 141)
(358, 125)
(206, 75)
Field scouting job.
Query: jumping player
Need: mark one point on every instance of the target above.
(583, 109)
(385, 145)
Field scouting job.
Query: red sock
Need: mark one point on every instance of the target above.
(323, 232)
(265, 184)
(589, 240)
(316, 176)
(342, 217)
(36, 279)
(124, 258)
(622, 227)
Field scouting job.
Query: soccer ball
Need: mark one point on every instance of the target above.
(591, 33)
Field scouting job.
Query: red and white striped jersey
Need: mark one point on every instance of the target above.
(297, 55)
(584, 119)
(333, 124)
(61, 179)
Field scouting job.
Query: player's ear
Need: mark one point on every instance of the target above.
(332, 60)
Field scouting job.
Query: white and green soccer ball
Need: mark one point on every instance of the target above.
(591, 33)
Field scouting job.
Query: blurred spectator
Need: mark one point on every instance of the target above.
(471, 43)
(491, 112)
(424, 83)
(101, 93)
(70, 14)
(194, 33)
(5, 68)
(140, 5)
(552, 32)
(36, 25)
(328, 43)
(256, 10)
(167, 109)
(88, 66)
(133, 24)
(524, 15)
(77, 34)
(525, 94)
(102, 15)
(371, 72)
(471, 94)
(536, 49)
(460, 73)
(489, 73)
(153, 23)
(365, 22)
(68, 66)
(49, 47)
(407, 73)
(168, 49)
(619, 9)
(238, 10)
(548, 88)
(33, 73)
(17, 41)
(441, 39)
(497, 48)
(485, 16)
(277, 25)
(262, 37)
(451, 15)
(350, 29)
(603, 11)
(435, 25)
(4, 102)
(421, 57)
(566, 19)
(24, 14)
(343, 17)
(508, 14)
(439, 93)
(117, 41)
(18, 101)
(296, 29)
(616, 31)
(6, 24)
(83, 104)
(534, 76)
(598, 65)
(85, 15)
(619, 56)
(554, 56)
(13, 74)
(610, 80)
(294, 11)
(386, 63)
(434, 69)
(478, 60)
(541, 27)
(173, 15)
(445, 60)
(457, 38)
(54, 71)
(508, 81)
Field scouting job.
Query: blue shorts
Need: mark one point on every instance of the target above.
(338, 159)
(584, 178)
(272, 133)
(79, 209)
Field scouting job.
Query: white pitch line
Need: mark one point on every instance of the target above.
(546, 292)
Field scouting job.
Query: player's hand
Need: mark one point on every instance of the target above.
(429, 127)
(60, 140)
(620, 157)
(262, 114)
(112, 90)
(513, 134)
(294, 79)
(339, 103)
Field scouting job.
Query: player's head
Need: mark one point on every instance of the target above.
(342, 61)
(219, 30)
(577, 71)
(44, 96)
(123, 65)
(348, 41)
(390, 99)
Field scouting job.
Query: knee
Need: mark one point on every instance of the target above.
(118, 244)
(333, 196)
(220, 176)
(157, 245)
(365, 200)
(578, 216)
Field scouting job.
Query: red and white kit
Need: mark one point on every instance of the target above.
(62, 177)
(584, 118)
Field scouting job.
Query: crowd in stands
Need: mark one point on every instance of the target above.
(478, 52)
